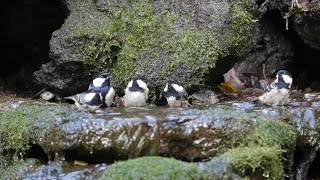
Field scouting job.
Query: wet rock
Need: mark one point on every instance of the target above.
(102, 35)
(189, 135)
(204, 98)
(55, 170)
(253, 136)
(220, 167)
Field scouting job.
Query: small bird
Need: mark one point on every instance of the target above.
(90, 100)
(136, 93)
(280, 90)
(175, 94)
(102, 82)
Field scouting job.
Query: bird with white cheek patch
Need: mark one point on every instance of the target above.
(90, 100)
(175, 94)
(136, 93)
(280, 90)
(102, 81)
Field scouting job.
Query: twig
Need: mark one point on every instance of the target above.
(264, 75)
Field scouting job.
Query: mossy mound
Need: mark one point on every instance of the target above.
(161, 40)
(153, 167)
(265, 150)
(252, 160)
(20, 126)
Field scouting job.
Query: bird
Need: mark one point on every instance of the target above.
(175, 94)
(90, 101)
(280, 90)
(136, 93)
(102, 82)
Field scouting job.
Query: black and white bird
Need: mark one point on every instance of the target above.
(175, 94)
(280, 90)
(102, 82)
(136, 93)
(90, 100)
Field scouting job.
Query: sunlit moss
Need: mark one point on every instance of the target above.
(154, 168)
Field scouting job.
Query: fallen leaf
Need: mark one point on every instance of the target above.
(228, 88)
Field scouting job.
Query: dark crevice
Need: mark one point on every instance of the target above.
(314, 172)
(94, 157)
(37, 152)
(27, 29)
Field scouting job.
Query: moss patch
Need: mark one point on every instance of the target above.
(154, 168)
(265, 150)
(18, 127)
(143, 33)
(252, 159)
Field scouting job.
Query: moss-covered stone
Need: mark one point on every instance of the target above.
(166, 40)
(154, 168)
(19, 126)
(252, 160)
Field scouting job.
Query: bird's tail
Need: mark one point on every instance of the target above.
(73, 98)
(256, 100)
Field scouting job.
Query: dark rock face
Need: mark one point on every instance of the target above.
(305, 20)
(27, 27)
(273, 49)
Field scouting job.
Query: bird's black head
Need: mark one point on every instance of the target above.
(283, 80)
(171, 81)
(103, 75)
(135, 77)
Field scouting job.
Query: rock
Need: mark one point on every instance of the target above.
(304, 18)
(272, 49)
(204, 98)
(220, 167)
(253, 141)
(120, 135)
(125, 38)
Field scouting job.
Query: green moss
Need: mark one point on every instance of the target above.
(154, 168)
(17, 128)
(251, 160)
(12, 172)
(137, 32)
(269, 145)
(272, 132)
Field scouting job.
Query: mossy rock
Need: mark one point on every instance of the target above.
(256, 161)
(153, 167)
(20, 126)
(265, 152)
(156, 39)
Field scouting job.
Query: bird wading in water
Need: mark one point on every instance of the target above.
(90, 100)
(175, 94)
(280, 90)
(136, 93)
(102, 82)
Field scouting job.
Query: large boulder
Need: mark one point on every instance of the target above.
(158, 40)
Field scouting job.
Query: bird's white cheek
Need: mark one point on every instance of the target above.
(177, 87)
(97, 82)
(287, 79)
(166, 88)
(142, 84)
